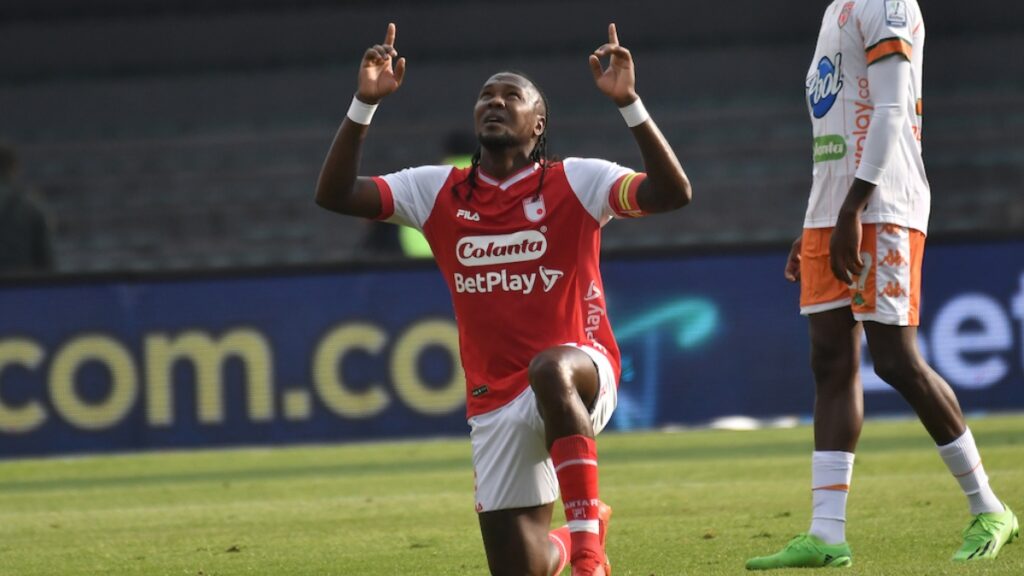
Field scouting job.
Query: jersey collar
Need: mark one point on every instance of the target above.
(511, 180)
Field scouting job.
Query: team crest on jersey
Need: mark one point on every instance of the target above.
(534, 208)
(896, 13)
(844, 16)
(824, 85)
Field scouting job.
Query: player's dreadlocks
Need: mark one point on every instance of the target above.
(539, 154)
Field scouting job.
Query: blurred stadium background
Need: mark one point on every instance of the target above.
(200, 297)
(187, 134)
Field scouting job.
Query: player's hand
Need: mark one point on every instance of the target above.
(792, 272)
(618, 81)
(381, 71)
(844, 247)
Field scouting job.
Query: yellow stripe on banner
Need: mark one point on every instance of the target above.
(624, 192)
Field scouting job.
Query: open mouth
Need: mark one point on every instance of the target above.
(493, 119)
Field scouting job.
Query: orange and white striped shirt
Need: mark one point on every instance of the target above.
(856, 34)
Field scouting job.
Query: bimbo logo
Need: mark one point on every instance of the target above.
(501, 249)
(824, 85)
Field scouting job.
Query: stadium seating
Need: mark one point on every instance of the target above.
(192, 134)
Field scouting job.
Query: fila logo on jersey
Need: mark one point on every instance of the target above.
(471, 216)
(501, 249)
(503, 281)
(824, 85)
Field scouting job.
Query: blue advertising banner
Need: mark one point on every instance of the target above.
(709, 337)
(129, 365)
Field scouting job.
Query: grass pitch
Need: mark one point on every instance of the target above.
(695, 502)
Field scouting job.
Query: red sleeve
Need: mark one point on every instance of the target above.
(622, 196)
(387, 199)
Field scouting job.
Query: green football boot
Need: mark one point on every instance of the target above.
(805, 551)
(985, 536)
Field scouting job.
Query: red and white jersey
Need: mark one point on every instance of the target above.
(521, 264)
(854, 35)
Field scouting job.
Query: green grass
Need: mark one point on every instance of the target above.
(695, 502)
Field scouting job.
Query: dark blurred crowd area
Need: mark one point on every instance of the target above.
(173, 135)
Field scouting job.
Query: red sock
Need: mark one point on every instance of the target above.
(563, 543)
(575, 460)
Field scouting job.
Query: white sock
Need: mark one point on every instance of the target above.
(962, 458)
(830, 485)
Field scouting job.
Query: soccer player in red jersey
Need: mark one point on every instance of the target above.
(517, 238)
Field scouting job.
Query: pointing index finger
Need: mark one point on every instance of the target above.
(389, 37)
(613, 36)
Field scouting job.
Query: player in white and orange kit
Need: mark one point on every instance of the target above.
(859, 263)
(517, 238)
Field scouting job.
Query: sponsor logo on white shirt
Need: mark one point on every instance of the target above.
(501, 249)
(824, 84)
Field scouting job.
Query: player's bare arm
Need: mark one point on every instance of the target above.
(844, 246)
(792, 272)
(887, 78)
(666, 187)
(339, 187)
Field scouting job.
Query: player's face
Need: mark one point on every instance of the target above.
(508, 112)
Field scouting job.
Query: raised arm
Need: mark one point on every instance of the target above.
(339, 187)
(666, 187)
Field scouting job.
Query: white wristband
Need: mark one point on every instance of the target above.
(635, 114)
(360, 112)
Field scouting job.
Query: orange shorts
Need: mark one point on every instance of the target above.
(889, 289)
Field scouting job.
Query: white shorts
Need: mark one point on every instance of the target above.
(511, 464)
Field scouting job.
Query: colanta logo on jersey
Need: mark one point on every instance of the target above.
(501, 249)
(829, 147)
(824, 85)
